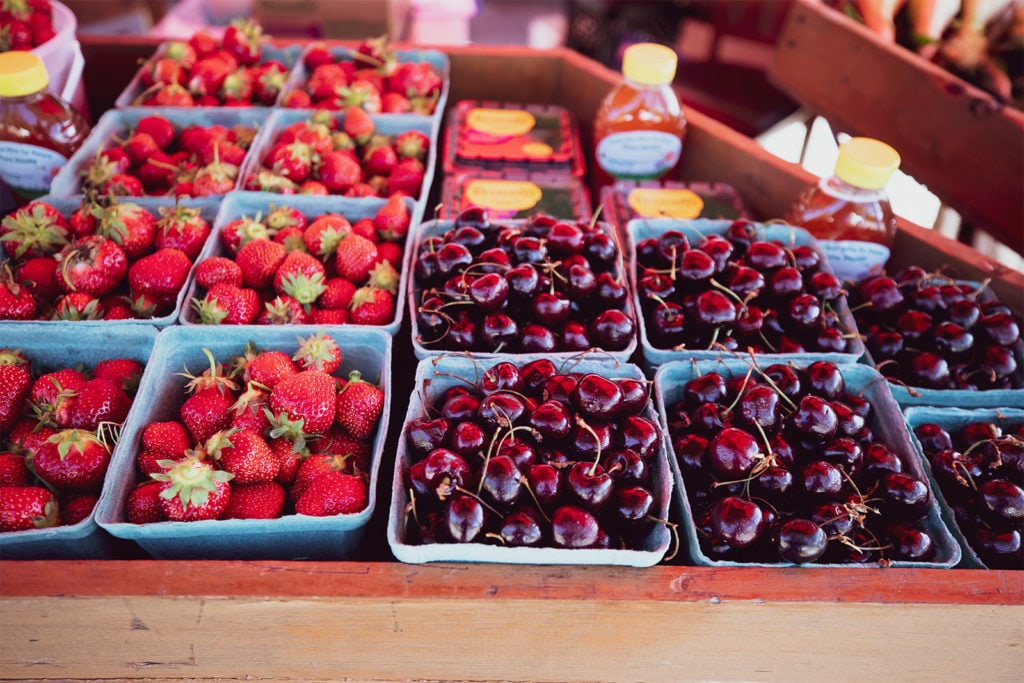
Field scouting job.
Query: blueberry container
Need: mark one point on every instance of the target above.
(640, 229)
(515, 195)
(288, 56)
(67, 206)
(119, 123)
(250, 204)
(48, 352)
(422, 351)
(954, 419)
(290, 537)
(435, 376)
(887, 420)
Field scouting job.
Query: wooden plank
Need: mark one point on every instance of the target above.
(954, 138)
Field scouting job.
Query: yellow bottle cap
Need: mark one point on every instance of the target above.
(649, 64)
(21, 73)
(866, 163)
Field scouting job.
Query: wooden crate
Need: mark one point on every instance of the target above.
(955, 138)
(381, 620)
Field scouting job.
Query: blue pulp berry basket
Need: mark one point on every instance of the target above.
(887, 422)
(290, 537)
(47, 352)
(433, 377)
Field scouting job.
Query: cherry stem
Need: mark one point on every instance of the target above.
(583, 423)
(477, 497)
(526, 484)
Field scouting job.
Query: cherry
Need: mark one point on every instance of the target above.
(826, 286)
(469, 237)
(806, 257)
(690, 450)
(713, 309)
(749, 321)
(964, 313)
(502, 481)
(494, 260)
(625, 464)
(523, 280)
(774, 484)
(850, 422)
(884, 345)
(545, 481)
(903, 496)
(695, 269)
(1002, 503)
(534, 373)
(711, 418)
(815, 418)
(445, 467)
(910, 542)
(736, 522)
(502, 375)
(879, 460)
(489, 291)
(706, 388)
(801, 541)
(822, 480)
(824, 379)
(552, 420)
(423, 435)
(746, 281)
(501, 409)
(575, 337)
(564, 239)
(522, 451)
(597, 397)
(834, 518)
(933, 437)
(590, 484)
(766, 256)
(551, 309)
(560, 387)
(581, 283)
(883, 294)
(666, 327)
(952, 340)
(787, 282)
(574, 527)
(999, 549)
(636, 394)
(473, 216)
(612, 330)
(467, 439)
(589, 440)
(639, 434)
(462, 334)
(611, 292)
(632, 505)
(521, 528)
(460, 407)
(452, 257)
(928, 369)
(760, 404)
(844, 453)
(671, 246)
(464, 518)
(655, 285)
(741, 233)
(537, 339)
(805, 310)
(499, 331)
(718, 248)
(732, 453)
(601, 250)
(785, 379)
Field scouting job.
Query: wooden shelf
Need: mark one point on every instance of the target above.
(382, 620)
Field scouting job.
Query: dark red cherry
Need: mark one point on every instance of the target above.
(695, 269)
(467, 439)
(545, 481)
(711, 418)
(523, 280)
(998, 549)
(933, 437)
(741, 233)
(574, 336)
(884, 345)
(714, 309)
(824, 379)
(909, 543)
(464, 518)
(536, 338)
(560, 387)
(468, 236)
(801, 541)
(462, 333)
(502, 481)
(846, 454)
(612, 330)
(489, 291)
(833, 517)
(719, 249)
(1001, 328)
(597, 397)
(636, 394)
(494, 260)
(522, 451)
(822, 480)
(774, 484)
(565, 239)
(671, 246)
(452, 258)
(473, 216)
(766, 256)
(624, 464)
(460, 407)
(903, 496)
(432, 322)
(805, 310)
(666, 325)
(445, 467)
(879, 460)
(652, 285)
(588, 440)
(826, 286)
(534, 373)
(551, 309)
(736, 522)
(806, 257)
(520, 528)
(786, 282)
(952, 340)
(882, 294)
(639, 434)
(706, 388)
(632, 505)
(590, 484)
(502, 375)
(499, 332)
(929, 370)
(746, 281)
(732, 452)
(785, 378)
(552, 420)
(611, 292)
(690, 450)
(423, 435)
(760, 404)
(601, 250)
(581, 283)
(965, 313)
(501, 409)
(574, 527)
(528, 249)
(815, 418)
(1002, 503)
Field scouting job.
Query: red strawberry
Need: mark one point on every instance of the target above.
(27, 507)
(291, 238)
(300, 276)
(337, 294)
(314, 188)
(72, 459)
(384, 276)
(158, 128)
(290, 456)
(243, 39)
(130, 225)
(140, 146)
(412, 143)
(379, 156)
(260, 500)
(125, 372)
(168, 438)
(333, 493)
(249, 411)
(321, 237)
(94, 265)
(328, 316)
(359, 406)
(39, 275)
(192, 490)
(218, 269)
(55, 394)
(206, 412)
(207, 75)
(418, 79)
(16, 300)
(283, 310)
(117, 308)
(407, 177)
(13, 470)
(390, 252)
(36, 229)
(148, 461)
(363, 92)
(143, 504)
(283, 217)
(173, 95)
(308, 396)
(259, 260)
(100, 400)
(316, 53)
(372, 306)
(356, 451)
(213, 179)
(77, 508)
(394, 103)
(78, 306)
(181, 228)
(325, 80)
(161, 275)
(240, 231)
(226, 304)
(269, 368)
(365, 227)
(238, 88)
(355, 257)
(358, 125)
(123, 185)
(339, 170)
(269, 79)
(293, 160)
(392, 220)
(15, 385)
(163, 71)
(244, 454)
(297, 99)
(203, 44)
(318, 352)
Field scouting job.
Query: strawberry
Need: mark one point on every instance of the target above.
(297, 99)
(77, 508)
(15, 385)
(227, 304)
(123, 185)
(318, 352)
(162, 71)
(328, 316)
(54, 396)
(407, 177)
(333, 493)
(244, 454)
(293, 160)
(259, 500)
(78, 306)
(181, 228)
(36, 229)
(414, 79)
(158, 128)
(72, 459)
(117, 308)
(206, 412)
(39, 275)
(291, 238)
(358, 125)
(290, 456)
(394, 103)
(143, 504)
(300, 276)
(372, 306)
(321, 237)
(173, 95)
(129, 225)
(13, 470)
(384, 276)
(94, 265)
(249, 411)
(308, 396)
(355, 257)
(337, 441)
(203, 44)
(100, 400)
(270, 367)
(148, 461)
(218, 269)
(316, 53)
(125, 372)
(16, 300)
(325, 80)
(339, 170)
(193, 490)
(243, 39)
(314, 188)
(214, 179)
(390, 252)
(259, 260)
(313, 466)
(392, 220)
(337, 294)
(27, 507)
(168, 438)
(207, 75)
(238, 89)
(379, 156)
(140, 146)
(365, 227)
(268, 80)
(362, 93)
(412, 143)
(160, 275)
(283, 310)
(234, 234)
(359, 406)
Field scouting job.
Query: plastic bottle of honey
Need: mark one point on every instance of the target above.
(639, 127)
(38, 130)
(849, 212)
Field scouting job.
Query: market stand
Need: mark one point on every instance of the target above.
(378, 619)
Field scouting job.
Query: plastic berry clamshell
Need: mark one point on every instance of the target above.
(627, 200)
(515, 195)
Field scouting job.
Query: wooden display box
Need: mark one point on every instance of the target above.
(377, 619)
(958, 140)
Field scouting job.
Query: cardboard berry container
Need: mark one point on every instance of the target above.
(886, 421)
(250, 204)
(431, 228)
(291, 537)
(47, 352)
(299, 76)
(954, 419)
(640, 229)
(119, 123)
(288, 56)
(514, 195)
(67, 206)
(435, 376)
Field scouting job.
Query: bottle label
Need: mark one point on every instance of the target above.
(855, 260)
(653, 202)
(29, 169)
(500, 122)
(503, 195)
(639, 154)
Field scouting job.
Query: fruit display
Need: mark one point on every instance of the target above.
(310, 262)
(287, 425)
(373, 76)
(976, 459)
(798, 463)
(237, 70)
(737, 286)
(927, 331)
(351, 154)
(107, 259)
(534, 286)
(530, 456)
(25, 24)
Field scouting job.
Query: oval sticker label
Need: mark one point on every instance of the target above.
(503, 195)
(500, 122)
(652, 202)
